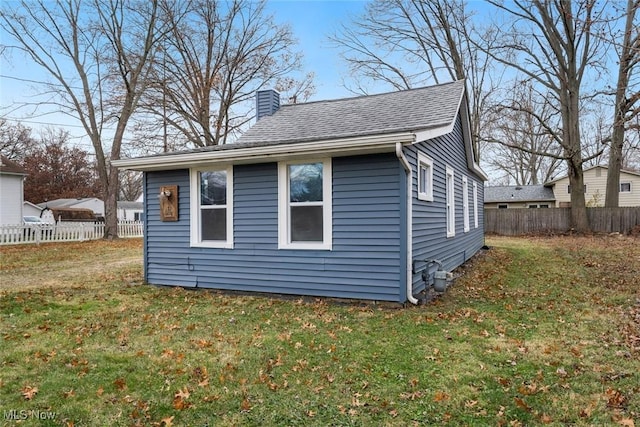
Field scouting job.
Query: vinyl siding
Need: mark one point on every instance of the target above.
(11, 193)
(429, 232)
(364, 262)
(596, 181)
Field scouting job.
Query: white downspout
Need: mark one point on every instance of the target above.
(407, 168)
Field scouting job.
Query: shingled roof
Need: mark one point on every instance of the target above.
(421, 109)
(518, 193)
(10, 167)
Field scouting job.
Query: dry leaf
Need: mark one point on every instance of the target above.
(440, 396)
(120, 384)
(168, 422)
(29, 392)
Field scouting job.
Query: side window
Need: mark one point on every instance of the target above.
(451, 203)
(475, 204)
(304, 205)
(625, 187)
(465, 203)
(212, 207)
(425, 178)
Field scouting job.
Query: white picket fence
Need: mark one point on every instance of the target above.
(64, 232)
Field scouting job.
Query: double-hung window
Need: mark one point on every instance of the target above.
(451, 202)
(212, 207)
(425, 178)
(475, 204)
(304, 205)
(465, 203)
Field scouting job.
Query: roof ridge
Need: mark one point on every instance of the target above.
(369, 96)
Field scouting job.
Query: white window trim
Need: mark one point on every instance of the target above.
(422, 194)
(465, 203)
(195, 209)
(475, 204)
(450, 202)
(284, 230)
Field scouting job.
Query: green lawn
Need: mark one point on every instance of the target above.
(534, 331)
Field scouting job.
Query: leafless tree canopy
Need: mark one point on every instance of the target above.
(207, 71)
(98, 55)
(410, 43)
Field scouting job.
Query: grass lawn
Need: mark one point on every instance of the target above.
(535, 331)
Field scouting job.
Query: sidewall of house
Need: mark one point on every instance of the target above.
(429, 222)
(365, 261)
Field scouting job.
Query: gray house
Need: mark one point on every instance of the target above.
(518, 196)
(349, 198)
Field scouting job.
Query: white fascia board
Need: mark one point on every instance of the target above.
(271, 153)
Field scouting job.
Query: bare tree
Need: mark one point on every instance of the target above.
(15, 140)
(130, 185)
(408, 43)
(521, 148)
(97, 53)
(627, 99)
(217, 56)
(551, 45)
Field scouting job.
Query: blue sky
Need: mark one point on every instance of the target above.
(312, 21)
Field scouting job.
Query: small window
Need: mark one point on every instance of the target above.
(544, 206)
(533, 206)
(503, 206)
(475, 204)
(625, 187)
(451, 203)
(425, 178)
(465, 203)
(212, 207)
(304, 211)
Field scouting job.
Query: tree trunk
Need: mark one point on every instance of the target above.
(579, 218)
(612, 198)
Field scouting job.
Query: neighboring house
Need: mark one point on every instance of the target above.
(130, 211)
(127, 211)
(92, 203)
(343, 198)
(29, 209)
(11, 192)
(518, 196)
(595, 188)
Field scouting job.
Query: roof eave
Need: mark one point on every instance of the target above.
(271, 153)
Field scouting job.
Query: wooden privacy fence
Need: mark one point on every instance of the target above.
(514, 222)
(64, 232)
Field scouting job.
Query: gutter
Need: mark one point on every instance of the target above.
(407, 168)
(261, 154)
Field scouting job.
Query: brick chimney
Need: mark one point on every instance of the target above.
(267, 103)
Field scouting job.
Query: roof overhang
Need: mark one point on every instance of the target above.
(270, 153)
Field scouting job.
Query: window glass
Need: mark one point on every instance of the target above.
(306, 224)
(214, 224)
(305, 182)
(625, 187)
(213, 188)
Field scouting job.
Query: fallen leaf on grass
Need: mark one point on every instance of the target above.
(615, 399)
(522, 404)
(120, 384)
(168, 422)
(440, 396)
(29, 392)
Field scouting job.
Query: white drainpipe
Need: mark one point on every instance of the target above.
(407, 168)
